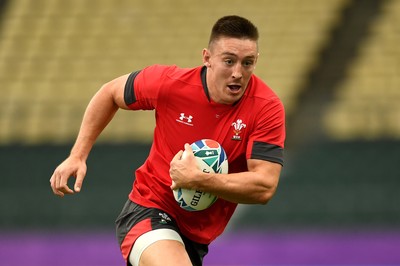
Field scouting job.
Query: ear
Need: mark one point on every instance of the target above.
(206, 57)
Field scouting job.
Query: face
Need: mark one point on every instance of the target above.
(230, 63)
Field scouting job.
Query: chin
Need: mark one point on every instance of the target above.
(232, 99)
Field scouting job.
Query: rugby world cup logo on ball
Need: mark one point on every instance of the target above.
(211, 158)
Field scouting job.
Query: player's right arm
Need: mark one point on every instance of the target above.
(99, 112)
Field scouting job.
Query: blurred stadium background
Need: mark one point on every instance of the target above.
(334, 63)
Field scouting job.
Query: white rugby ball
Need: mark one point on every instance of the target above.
(211, 158)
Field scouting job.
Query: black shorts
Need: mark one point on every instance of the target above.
(135, 220)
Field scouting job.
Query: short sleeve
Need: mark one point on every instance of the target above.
(267, 140)
(142, 87)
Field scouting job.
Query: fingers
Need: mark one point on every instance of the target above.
(80, 175)
(60, 177)
(172, 168)
(188, 148)
(53, 186)
(173, 186)
(63, 186)
(187, 152)
(183, 154)
(59, 184)
(177, 156)
(179, 169)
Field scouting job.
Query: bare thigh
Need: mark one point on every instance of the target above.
(165, 253)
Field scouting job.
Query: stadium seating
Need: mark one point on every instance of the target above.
(367, 103)
(54, 55)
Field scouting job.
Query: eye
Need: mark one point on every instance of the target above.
(228, 62)
(248, 63)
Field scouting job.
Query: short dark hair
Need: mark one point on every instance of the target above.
(234, 27)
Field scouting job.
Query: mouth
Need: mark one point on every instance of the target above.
(234, 87)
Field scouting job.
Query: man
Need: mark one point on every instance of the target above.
(222, 100)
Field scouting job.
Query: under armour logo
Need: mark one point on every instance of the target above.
(188, 118)
(185, 119)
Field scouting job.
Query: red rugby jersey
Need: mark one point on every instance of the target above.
(252, 128)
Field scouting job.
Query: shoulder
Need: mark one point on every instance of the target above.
(258, 88)
(186, 75)
(259, 92)
(170, 76)
(173, 71)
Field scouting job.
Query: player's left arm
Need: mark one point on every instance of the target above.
(255, 186)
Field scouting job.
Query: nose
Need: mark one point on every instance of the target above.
(237, 71)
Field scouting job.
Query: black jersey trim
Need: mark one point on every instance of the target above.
(203, 76)
(267, 152)
(129, 92)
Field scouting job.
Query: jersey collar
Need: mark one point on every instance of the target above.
(203, 76)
